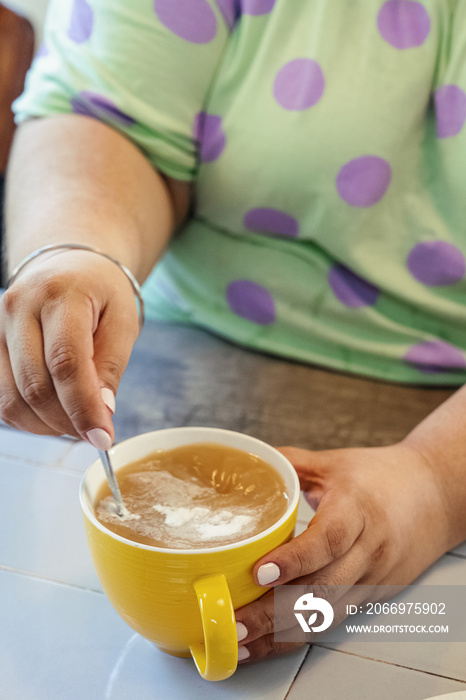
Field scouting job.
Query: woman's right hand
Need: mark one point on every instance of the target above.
(67, 327)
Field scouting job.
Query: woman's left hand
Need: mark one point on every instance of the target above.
(381, 520)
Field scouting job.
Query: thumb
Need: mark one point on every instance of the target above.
(331, 533)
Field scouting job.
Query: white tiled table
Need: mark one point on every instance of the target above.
(61, 640)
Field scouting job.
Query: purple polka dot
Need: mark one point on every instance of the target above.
(436, 263)
(404, 24)
(251, 301)
(351, 289)
(230, 10)
(364, 181)
(450, 107)
(299, 84)
(192, 20)
(257, 7)
(209, 132)
(265, 220)
(436, 356)
(91, 104)
(81, 21)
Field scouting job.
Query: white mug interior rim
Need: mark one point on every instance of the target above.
(169, 438)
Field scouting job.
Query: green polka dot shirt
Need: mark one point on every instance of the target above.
(327, 144)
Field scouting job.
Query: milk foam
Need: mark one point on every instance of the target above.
(125, 515)
(167, 509)
(206, 523)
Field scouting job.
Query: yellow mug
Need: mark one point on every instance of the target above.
(183, 600)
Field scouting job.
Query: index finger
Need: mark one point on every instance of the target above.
(69, 352)
(332, 532)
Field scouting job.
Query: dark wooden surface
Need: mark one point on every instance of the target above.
(181, 376)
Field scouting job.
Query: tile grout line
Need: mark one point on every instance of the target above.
(389, 663)
(39, 577)
(456, 555)
(68, 444)
(67, 452)
(56, 466)
(26, 460)
(298, 671)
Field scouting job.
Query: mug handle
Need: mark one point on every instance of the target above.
(217, 657)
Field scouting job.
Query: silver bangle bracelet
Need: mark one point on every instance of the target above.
(91, 249)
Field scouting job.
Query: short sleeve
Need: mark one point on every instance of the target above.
(144, 67)
(450, 88)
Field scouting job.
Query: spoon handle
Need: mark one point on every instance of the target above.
(112, 482)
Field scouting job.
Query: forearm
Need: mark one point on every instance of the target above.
(441, 438)
(73, 179)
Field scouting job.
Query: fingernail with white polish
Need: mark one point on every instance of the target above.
(108, 397)
(99, 438)
(243, 654)
(268, 573)
(241, 631)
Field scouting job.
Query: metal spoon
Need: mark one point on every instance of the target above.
(120, 507)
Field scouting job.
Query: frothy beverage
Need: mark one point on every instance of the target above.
(195, 496)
